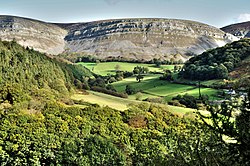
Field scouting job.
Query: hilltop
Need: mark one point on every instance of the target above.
(241, 30)
(122, 38)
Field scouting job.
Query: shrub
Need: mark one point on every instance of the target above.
(103, 90)
(130, 90)
(138, 96)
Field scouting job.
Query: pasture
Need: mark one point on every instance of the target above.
(119, 103)
(104, 68)
(152, 86)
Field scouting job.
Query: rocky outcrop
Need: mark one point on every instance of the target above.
(144, 38)
(41, 36)
(124, 38)
(241, 30)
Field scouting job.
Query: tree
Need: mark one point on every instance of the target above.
(130, 90)
(139, 77)
(117, 67)
(157, 62)
(167, 75)
(238, 130)
(111, 87)
(175, 68)
(139, 71)
(146, 70)
(221, 71)
(97, 62)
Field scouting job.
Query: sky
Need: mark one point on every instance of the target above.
(218, 13)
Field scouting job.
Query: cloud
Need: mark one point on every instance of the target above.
(112, 2)
(243, 17)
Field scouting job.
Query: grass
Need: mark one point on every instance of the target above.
(152, 86)
(104, 68)
(119, 103)
(104, 100)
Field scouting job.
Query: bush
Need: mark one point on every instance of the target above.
(138, 96)
(176, 103)
(155, 100)
(103, 90)
(130, 90)
(187, 100)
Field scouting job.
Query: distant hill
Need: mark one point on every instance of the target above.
(232, 60)
(241, 30)
(41, 36)
(125, 38)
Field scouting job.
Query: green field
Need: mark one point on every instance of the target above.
(104, 100)
(152, 86)
(119, 103)
(104, 68)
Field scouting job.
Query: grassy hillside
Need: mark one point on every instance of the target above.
(118, 103)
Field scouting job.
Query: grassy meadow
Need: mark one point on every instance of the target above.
(119, 103)
(152, 86)
(104, 68)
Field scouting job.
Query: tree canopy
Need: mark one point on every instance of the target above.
(216, 63)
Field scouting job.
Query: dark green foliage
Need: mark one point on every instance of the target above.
(187, 100)
(127, 74)
(216, 63)
(140, 71)
(99, 81)
(109, 91)
(31, 70)
(78, 71)
(130, 90)
(12, 93)
(167, 75)
(101, 151)
(139, 77)
(111, 87)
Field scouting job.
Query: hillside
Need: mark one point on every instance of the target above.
(241, 30)
(41, 36)
(26, 74)
(230, 60)
(124, 38)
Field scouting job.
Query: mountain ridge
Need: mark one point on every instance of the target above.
(133, 38)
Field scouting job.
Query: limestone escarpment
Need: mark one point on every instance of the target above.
(144, 38)
(41, 36)
(124, 38)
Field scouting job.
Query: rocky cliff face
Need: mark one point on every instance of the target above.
(41, 36)
(241, 30)
(144, 38)
(125, 38)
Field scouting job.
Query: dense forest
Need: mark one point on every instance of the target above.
(25, 73)
(39, 127)
(217, 63)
